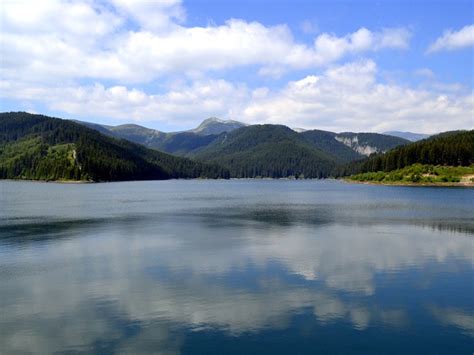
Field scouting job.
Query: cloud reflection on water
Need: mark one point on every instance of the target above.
(139, 282)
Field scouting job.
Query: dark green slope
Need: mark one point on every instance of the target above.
(184, 143)
(45, 148)
(448, 148)
(267, 151)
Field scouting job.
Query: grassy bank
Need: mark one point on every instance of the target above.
(419, 174)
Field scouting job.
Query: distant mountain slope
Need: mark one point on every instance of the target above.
(370, 143)
(449, 148)
(45, 148)
(183, 143)
(413, 137)
(98, 127)
(267, 151)
(216, 126)
(137, 134)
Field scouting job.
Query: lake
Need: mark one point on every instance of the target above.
(239, 266)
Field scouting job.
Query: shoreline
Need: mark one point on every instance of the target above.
(72, 182)
(344, 180)
(412, 184)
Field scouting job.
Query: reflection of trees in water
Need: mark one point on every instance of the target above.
(462, 226)
(40, 229)
(278, 215)
(290, 215)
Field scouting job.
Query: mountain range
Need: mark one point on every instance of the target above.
(38, 147)
(190, 143)
(248, 151)
(46, 148)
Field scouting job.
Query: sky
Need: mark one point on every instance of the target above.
(362, 66)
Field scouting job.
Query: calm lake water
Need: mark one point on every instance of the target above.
(236, 267)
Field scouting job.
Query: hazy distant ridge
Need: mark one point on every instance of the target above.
(413, 137)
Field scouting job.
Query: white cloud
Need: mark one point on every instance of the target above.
(452, 40)
(346, 97)
(183, 104)
(63, 18)
(58, 40)
(349, 97)
(48, 48)
(330, 48)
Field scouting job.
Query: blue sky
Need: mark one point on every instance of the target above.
(169, 64)
(428, 19)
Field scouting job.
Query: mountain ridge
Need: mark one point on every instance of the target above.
(413, 137)
(39, 147)
(191, 142)
(214, 125)
(48, 148)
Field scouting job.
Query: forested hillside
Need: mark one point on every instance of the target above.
(449, 149)
(44, 148)
(268, 151)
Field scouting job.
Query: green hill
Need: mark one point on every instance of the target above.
(421, 174)
(446, 149)
(267, 151)
(44, 148)
(449, 148)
